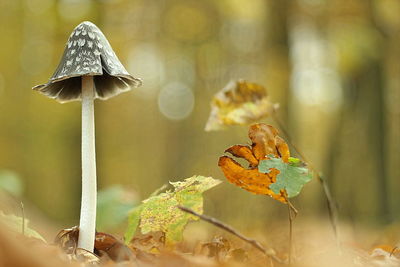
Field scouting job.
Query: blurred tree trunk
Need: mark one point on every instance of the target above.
(362, 128)
(277, 50)
(371, 86)
(378, 122)
(357, 161)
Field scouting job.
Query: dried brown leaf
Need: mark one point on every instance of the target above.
(249, 179)
(244, 152)
(105, 245)
(238, 103)
(265, 141)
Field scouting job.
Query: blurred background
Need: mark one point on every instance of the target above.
(334, 67)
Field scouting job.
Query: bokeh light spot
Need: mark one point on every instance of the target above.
(146, 61)
(176, 101)
(74, 9)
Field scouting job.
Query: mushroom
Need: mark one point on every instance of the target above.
(88, 69)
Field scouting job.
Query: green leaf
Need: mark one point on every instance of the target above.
(160, 212)
(292, 176)
(11, 182)
(113, 205)
(295, 161)
(133, 223)
(14, 223)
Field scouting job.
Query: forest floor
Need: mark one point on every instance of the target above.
(204, 245)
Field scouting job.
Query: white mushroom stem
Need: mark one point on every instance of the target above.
(87, 224)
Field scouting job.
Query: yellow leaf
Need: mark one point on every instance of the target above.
(238, 103)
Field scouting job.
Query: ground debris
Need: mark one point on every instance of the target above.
(220, 249)
(106, 247)
(312, 248)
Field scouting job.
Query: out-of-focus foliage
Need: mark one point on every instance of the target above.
(113, 204)
(11, 182)
(160, 213)
(19, 225)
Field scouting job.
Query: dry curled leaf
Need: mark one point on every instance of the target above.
(385, 255)
(239, 103)
(391, 250)
(220, 249)
(105, 246)
(150, 243)
(67, 239)
(265, 141)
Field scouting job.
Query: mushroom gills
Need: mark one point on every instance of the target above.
(64, 90)
(69, 89)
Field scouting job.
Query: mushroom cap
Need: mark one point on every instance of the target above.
(88, 53)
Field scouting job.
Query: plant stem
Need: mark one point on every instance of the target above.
(87, 224)
(290, 232)
(292, 213)
(23, 218)
(331, 203)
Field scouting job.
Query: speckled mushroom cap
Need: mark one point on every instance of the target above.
(88, 53)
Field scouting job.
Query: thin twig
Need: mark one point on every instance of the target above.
(331, 203)
(292, 213)
(292, 209)
(290, 234)
(332, 209)
(23, 218)
(269, 252)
